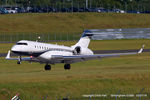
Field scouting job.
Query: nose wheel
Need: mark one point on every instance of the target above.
(47, 67)
(18, 62)
(67, 67)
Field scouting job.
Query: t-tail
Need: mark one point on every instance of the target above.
(85, 39)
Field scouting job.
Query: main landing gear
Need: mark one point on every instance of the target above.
(67, 67)
(47, 67)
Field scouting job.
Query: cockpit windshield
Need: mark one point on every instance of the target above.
(21, 43)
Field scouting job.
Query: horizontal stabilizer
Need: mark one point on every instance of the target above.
(89, 33)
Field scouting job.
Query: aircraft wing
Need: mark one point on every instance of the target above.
(20, 59)
(74, 58)
(79, 58)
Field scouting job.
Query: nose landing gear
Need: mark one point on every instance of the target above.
(19, 60)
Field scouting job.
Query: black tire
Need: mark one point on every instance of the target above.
(67, 67)
(18, 62)
(47, 67)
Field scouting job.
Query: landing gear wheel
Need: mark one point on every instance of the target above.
(18, 62)
(67, 67)
(47, 67)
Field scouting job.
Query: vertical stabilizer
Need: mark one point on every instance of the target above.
(84, 40)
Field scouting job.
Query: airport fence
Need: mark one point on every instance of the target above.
(99, 34)
(44, 37)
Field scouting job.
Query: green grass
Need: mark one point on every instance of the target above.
(127, 73)
(64, 26)
(97, 45)
(70, 22)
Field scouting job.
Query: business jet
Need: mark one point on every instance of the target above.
(51, 53)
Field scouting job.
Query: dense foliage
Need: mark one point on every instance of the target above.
(140, 5)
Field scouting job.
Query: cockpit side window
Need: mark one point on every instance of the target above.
(21, 43)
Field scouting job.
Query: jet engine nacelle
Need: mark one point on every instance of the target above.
(50, 55)
(82, 51)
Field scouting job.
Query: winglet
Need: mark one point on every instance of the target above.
(8, 55)
(141, 50)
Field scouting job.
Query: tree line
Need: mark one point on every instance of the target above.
(140, 5)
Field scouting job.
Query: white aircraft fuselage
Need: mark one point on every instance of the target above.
(44, 51)
(52, 54)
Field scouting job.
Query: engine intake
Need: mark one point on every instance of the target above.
(82, 51)
(77, 50)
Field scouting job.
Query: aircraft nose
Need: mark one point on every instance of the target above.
(14, 48)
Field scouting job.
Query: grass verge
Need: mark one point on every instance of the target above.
(129, 74)
(70, 22)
